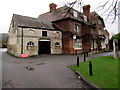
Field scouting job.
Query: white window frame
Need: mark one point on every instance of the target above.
(74, 37)
(106, 40)
(76, 28)
(77, 44)
(85, 18)
(30, 43)
(75, 14)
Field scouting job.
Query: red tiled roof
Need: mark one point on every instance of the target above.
(60, 13)
(93, 16)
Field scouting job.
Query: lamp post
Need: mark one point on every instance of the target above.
(75, 38)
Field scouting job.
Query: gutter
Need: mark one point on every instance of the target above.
(37, 27)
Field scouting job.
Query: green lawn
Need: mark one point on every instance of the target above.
(105, 71)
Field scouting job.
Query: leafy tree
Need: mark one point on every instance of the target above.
(116, 36)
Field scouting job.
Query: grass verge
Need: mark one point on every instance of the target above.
(105, 71)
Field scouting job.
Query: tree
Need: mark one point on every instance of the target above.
(110, 7)
(116, 36)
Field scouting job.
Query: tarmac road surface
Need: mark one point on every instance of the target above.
(46, 71)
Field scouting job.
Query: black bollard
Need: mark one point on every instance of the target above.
(77, 61)
(90, 68)
(84, 57)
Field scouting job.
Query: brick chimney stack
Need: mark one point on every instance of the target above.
(86, 11)
(52, 7)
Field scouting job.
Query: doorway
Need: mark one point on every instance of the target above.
(44, 47)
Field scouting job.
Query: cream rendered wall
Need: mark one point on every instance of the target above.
(35, 35)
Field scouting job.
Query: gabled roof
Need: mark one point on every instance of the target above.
(25, 21)
(60, 13)
(99, 17)
(64, 13)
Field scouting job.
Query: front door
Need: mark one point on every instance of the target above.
(44, 47)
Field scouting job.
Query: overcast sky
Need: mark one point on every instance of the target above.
(33, 8)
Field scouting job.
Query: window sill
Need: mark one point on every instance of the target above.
(77, 48)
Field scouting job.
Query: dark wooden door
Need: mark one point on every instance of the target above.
(44, 47)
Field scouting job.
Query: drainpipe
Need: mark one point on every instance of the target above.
(22, 41)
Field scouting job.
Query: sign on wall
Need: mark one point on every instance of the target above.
(74, 36)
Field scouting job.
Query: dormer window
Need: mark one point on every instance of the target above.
(75, 13)
(85, 18)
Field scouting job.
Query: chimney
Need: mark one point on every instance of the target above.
(52, 7)
(86, 11)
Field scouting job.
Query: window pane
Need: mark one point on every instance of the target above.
(44, 33)
(77, 44)
(75, 13)
(85, 18)
(77, 28)
(57, 44)
(30, 44)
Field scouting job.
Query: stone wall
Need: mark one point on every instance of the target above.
(34, 35)
(12, 40)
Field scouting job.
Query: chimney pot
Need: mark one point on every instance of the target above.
(52, 7)
(86, 11)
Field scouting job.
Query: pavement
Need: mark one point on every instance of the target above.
(46, 71)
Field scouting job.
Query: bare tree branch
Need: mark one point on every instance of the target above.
(109, 7)
(112, 9)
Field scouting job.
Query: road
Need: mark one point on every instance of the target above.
(48, 71)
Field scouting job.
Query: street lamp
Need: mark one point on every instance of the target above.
(75, 38)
